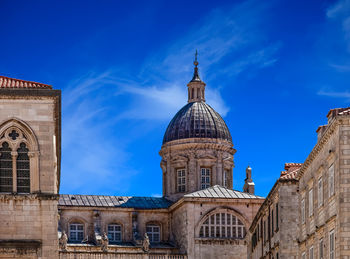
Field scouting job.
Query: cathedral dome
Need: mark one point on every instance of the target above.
(197, 120)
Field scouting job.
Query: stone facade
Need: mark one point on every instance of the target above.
(274, 231)
(319, 197)
(29, 118)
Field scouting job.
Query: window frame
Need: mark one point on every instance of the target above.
(332, 244)
(223, 225)
(331, 180)
(181, 180)
(76, 231)
(151, 234)
(311, 252)
(320, 250)
(303, 211)
(320, 192)
(114, 232)
(206, 176)
(311, 202)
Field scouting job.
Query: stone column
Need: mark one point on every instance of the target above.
(219, 170)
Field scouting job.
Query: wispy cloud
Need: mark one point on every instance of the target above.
(340, 14)
(230, 40)
(343, 95)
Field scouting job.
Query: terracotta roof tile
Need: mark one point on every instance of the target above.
(12, 83)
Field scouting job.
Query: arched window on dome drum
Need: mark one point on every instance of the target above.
(23, 170)
(6, 180)
(222, 225)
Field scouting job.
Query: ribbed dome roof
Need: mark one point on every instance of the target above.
(197, 120)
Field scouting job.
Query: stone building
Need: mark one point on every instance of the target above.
(199, 215)
(319, 194)
(274, 231)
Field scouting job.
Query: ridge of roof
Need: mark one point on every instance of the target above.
(218, 191)
(78, 200)
(13, 83)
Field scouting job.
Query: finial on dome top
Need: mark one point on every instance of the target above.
(195, 74)
(196, 86)
(195, 58)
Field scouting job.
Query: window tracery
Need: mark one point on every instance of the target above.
(19, 158)
(222, 225)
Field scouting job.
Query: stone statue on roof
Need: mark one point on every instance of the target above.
(145, 243)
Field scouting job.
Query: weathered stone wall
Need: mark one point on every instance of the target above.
(286, 236)
(191, 155)
(29, 221)
(323, 219)
(123, 216)
(197, 209)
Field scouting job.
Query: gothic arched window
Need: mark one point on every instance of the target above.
(6, 179)
(23, 170)
(18, 155)
(222, 225)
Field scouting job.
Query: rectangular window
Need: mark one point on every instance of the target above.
(153, 232)
(224, 179)
(114, 233)
(277, 216)
(303, 211)
(331, 180)
(311, 253)
(181, 180)
(76, 232)
(303, 255)
(272, 223)
(331, 245)
(320, 192)
(321, 249)
(311, 203)
(205, 178)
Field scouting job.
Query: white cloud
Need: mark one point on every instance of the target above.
(344, 94)
(155, 91)
(338, 9)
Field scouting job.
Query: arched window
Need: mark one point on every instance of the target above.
(114, 233)
(222, 225)
(76, 232)
(153, 232)
(22, 166)
(19, 155)
(6, 179)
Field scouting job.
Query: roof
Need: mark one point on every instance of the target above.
(218, 191)
(292, 170)
(197, 120)
(113, 201)
(12, 83)
(290, 175)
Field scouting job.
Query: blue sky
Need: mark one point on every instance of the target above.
(273, 69)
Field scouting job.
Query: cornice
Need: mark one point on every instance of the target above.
(318, 147)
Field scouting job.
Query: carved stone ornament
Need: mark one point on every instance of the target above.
(63, 241)
(145, 243)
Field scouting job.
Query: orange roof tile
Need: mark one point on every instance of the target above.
(12, 83)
